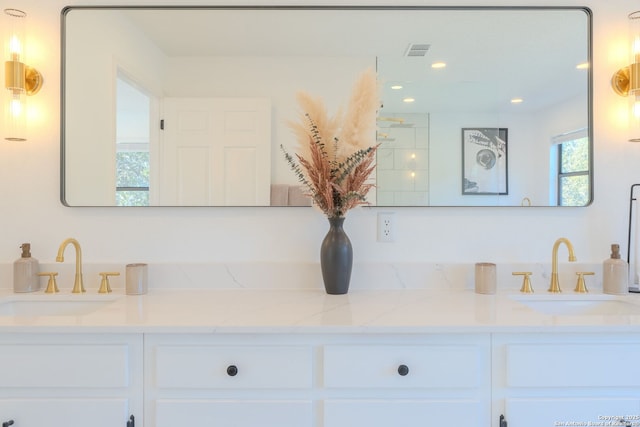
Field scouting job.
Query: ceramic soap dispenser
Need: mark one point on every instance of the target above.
(615, 273)
(25, 271)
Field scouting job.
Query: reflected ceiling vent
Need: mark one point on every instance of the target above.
(417, 49)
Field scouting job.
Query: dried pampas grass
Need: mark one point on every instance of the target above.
(335, 155)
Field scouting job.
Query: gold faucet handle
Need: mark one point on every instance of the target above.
(52, 286)
(581, 286)
(105, 287)
(526, 282)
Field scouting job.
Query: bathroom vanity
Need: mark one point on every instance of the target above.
(304, 358)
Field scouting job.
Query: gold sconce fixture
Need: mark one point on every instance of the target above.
(20, 79)
(626, 81)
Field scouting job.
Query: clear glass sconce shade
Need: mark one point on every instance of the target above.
(15, 116)
(15, 93)
(634, 77)
(14, 20)
(634, 32)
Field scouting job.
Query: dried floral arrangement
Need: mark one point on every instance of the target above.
(336, 154)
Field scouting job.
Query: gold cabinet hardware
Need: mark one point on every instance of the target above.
(581, 287)
(105, 287)
(52, 286)
(526, 282)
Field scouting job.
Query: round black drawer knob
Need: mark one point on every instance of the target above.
(232, 370)
(403, 370)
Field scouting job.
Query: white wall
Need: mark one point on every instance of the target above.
(31, 211)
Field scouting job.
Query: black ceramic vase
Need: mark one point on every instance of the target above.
(336, 258)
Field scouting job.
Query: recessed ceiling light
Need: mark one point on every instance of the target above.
(517, 101)
(438, 65)
(396, 87)
(408, 100)
(582, 66)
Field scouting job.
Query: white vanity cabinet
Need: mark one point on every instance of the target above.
(71, 380)
(317, 380)
(290, 378)
(548, 380)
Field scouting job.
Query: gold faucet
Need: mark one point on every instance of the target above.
(555, 284)
(78, 285)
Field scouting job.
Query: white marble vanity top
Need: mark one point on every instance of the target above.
(313, 311)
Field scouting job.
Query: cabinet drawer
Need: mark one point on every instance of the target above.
(232, 367)
(604, 411)
(67, 412)
(405, 413)
(237, 413)
(432, 366)
(573, 365)
(66, 366)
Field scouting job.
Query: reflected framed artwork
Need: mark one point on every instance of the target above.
(485, 161)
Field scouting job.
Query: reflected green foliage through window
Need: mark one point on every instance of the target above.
(575, 155)
(132, 173)
(132, 169)
(132, 198)
(574, 190)
(574, 173)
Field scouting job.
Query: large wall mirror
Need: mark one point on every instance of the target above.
(187, 106)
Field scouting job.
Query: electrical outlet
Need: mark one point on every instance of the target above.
(386, 227)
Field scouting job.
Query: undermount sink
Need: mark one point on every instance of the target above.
(53, 305)
(579, 304)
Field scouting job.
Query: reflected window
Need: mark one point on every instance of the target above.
(132, 186)
(573, 171)
(132, 144)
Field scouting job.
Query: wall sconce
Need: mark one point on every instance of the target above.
(626, 81)
(20, 80)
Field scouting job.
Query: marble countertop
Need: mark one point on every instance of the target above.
(313, 311)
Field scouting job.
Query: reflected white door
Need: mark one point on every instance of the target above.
(216, 151)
